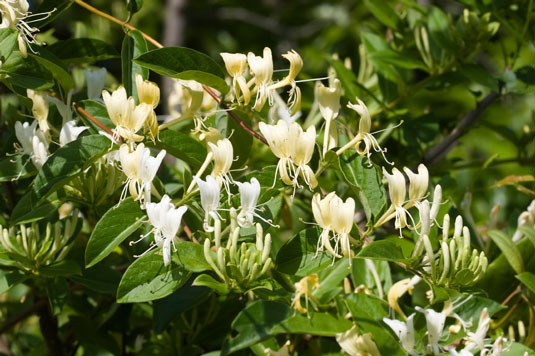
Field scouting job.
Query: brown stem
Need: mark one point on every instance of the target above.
(117, 21)
(92, 118)
(233, 115)
(438, 152)
(49, 328)
(15, 319)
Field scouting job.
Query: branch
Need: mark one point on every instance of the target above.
(92, 118)
(15, 319)
(233, 115)
(438, 152)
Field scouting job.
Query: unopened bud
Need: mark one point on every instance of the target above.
(267, 248)
(259, 237)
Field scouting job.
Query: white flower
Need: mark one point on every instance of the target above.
(435, 325)
(418, 183)
(404, 331)
(397, 192)
(527, 218)
(236, 63)
(124, 113)
(364, 136)
(355, 345)
(210, 195)
(70, 132)
(64, 109)
(476, 341)
(96, 79)
(15, 15)
(223, 155)
(332, 214)
(140, 169)
(398, 289)
(463, 352)
(329, 99)
(262, 69)
(148, 166)
(32, 142)
(249, 193)
(165, 219)
(39, 108)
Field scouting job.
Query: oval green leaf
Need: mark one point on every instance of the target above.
(82, 50)
(509, 250)
(113, 228)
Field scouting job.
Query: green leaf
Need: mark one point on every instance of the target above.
(170, 307)
(54, 7)
(385, 250)
(148, 279)
(185, 63)
(479, 75)
(509, 249)
(182, 146)
(27, 73)
(58, 294)
(397, 59)
(101, 279)
(191, 256)
(16, 167)
(331, 280)
(134, 6)
(383, 12)
(8, 40)
(525, 74)
(9, 279)
(264, 319)
(529, 232)
(206, 280)
(368, 312)
(29, 209)
(113, 228)
(298, 256)
(82, 50)
(528, 279)
(67, 162)
(365, 180)
(134, 45)
(374, 43)
(439, 25)
(516, 349)
(64, 268)
(55, 66)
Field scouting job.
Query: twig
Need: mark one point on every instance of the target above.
(49, 328)
(438, 152)
(117, 21)
(92, 118)
(233, 115)
(15, 319)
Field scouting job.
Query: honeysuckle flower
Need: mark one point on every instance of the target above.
(329, 99)
(140, 169)
(15, 15)
(296, 63)
(40, 108)
(95, 79)
(435, 206)
(435, 325)
(262, 69)
(496, 349)
(128, 117)
(236, 64)
(149, 93)
(354, 344)
(463, 352)
(476, 340)
(302, 150)
(364, 141)
(277, 137)
(165, 219)
(304, 288)
(397, 192)
(332, 214)
(223, 155)
(404, 332)
(419, 183)
(249, 193)
(70, 132)
(186, 99)
(210, 196)
(398, 289)
(527, 218)
(32, 142)
(148, 167)
(280, 111)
